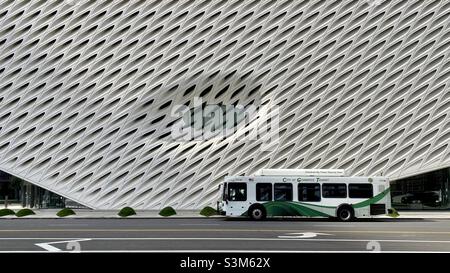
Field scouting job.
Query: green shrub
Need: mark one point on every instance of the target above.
(126, 211)
(5, 212)
(393, 213)
(24, 212)
(208, 211)
(167, 211)
(65, 212)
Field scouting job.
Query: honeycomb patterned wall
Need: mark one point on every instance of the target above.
(87, 89)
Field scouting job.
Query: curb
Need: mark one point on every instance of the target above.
(118, 217)
(391, 219)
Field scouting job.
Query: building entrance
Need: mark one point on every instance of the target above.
(425, 191)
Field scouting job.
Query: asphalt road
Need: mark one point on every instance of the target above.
(211, 235)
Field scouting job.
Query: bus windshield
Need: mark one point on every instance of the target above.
(223, 195)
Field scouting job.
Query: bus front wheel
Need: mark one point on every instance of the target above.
(345, 214)
(257, 212)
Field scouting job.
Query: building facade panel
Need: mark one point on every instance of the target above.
(91, 93)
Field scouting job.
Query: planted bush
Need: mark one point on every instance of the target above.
(6, 212)
(167, 211)
(65, 212)
(25, 212)
(208, 211)
(393, 213)
(126, 211)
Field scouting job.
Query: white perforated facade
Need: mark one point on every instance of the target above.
(87, 89)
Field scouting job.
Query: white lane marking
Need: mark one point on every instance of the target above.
(48, 246)
(339, 226)
(40, 238)
(230, 251)
(225, 230)
(301, 235)
(267, 239)
(199, 224)
(235, 239)
(68, 225)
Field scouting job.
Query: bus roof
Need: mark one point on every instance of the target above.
(300, 172)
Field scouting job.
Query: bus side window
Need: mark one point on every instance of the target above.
(309, 192)
(334, 190)
(237, 191)
(283, 192)
(360, 190)
(264, 192)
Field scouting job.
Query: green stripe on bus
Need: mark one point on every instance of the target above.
(277, 208)
(291, 208)
(319, 206)
(372, 200)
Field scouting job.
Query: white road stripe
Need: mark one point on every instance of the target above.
(269, 239)
(301, 235)
(199, 224)
(40, 239)
(227, 230)
(48, 246)
(338, 226)
(230, 239)
(229, 251)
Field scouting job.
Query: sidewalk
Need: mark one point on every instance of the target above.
(110, 214)
(424, 215)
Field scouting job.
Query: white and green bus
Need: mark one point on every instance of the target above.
(310, 193)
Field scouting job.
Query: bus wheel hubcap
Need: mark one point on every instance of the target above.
(345, 215)
(256, 213)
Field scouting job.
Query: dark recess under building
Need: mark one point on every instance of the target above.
(17, 193)
(428, 191)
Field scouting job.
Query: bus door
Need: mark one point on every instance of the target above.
(236, 198)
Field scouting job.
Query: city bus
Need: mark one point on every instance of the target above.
(310, 193)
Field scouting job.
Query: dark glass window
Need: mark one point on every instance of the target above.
(264, 192)
(309, 192)
(224, 193)
(360, 190)
(282, 192)
(423, 191)
(237, 191)
(334, 190)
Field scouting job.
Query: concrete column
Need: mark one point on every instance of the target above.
(23, 194)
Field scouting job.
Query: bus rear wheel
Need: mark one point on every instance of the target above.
(345, 214)
(257, 213)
